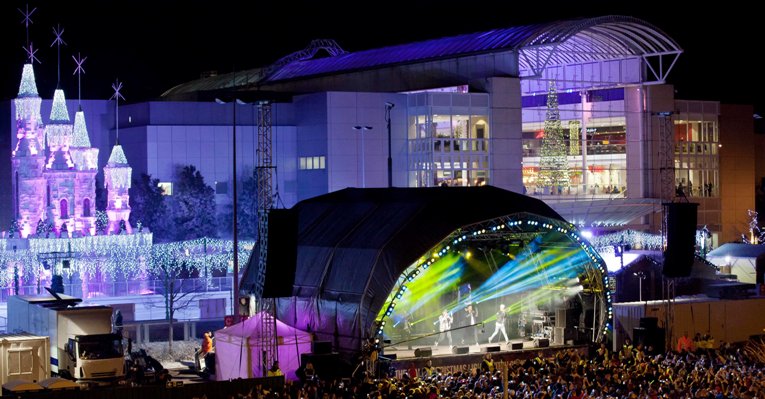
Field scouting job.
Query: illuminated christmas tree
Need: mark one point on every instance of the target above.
(553, 163)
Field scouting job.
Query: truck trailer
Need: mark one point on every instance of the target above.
(82, 344)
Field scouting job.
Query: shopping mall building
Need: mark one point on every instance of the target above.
(463, 110)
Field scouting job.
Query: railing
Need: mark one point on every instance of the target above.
(126, 288)
(589, 191)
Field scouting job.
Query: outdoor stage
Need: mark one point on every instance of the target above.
(450, 360)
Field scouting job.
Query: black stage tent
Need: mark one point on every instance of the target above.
(335, 258)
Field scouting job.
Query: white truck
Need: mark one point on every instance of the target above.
(82, 345)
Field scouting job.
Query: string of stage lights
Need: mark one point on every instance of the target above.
(556, 262)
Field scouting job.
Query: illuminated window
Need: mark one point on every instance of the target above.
(167, 188)
(310, 163)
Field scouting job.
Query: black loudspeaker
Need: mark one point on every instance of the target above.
(328, 366)
(282, 254)
(460, 350)
(516, 346)
(423, 352)
(543, 343)
(649, 337)
(649, 323)
(321, 347)
(681, 238)
(492, 349)
(760, 269)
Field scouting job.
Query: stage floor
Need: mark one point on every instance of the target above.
(402, 351)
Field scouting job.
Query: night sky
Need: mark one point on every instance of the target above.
(153, 45)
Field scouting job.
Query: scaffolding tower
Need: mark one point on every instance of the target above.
(668, 194)
(265, 308)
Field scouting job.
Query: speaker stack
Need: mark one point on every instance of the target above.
(681, 238)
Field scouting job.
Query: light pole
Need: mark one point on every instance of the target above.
(389, 106)
(361, 129)
(641, 276)
(235, 295)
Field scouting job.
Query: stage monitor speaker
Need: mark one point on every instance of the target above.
(681, 238)
(516, 346)
(282, 254)
(543, 343)
(460, 350)
(492, 348)
(423, 352)
(321, 347)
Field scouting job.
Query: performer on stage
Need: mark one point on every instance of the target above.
(471, 318)
(445, 327)
(500, 324)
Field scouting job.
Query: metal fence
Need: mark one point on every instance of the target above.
(126, 288)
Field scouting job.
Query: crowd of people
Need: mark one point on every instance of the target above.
(631, 372)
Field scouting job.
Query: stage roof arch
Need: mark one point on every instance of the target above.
(352, 246)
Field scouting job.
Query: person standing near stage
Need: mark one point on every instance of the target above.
(445, 327)
(471, 318)
(500, 324)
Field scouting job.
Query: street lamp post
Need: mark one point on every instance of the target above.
(235, 295)
(641, 276)
(389, 106)
(363, 163)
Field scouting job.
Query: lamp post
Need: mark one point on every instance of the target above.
(361, 129)
(389, 106)
(235, 295)
(641, 276)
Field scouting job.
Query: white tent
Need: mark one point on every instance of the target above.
(238, 352)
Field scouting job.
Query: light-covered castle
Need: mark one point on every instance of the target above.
(54, 170)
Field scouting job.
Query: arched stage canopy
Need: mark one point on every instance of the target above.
(350, 250)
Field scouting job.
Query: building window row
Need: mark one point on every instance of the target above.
(311, 163)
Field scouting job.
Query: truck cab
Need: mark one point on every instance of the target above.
(90, 357)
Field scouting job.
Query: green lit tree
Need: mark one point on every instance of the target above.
(553, 163)
(147, 203)
(193, 206)
(574, 130)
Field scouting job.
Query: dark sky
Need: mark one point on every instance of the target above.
(154, 45)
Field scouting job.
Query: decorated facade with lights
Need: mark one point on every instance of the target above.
(54, 167)
(117, 174)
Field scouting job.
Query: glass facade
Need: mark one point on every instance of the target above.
(448, 139)
(595, 132)
(696, 150)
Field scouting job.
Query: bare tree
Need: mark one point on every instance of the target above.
(171, 272)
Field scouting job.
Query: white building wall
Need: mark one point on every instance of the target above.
(506, 153)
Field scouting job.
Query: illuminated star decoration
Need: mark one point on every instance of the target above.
(58, 41)
(27, 19)
(79, 70)
(31, 54)
(117, 86)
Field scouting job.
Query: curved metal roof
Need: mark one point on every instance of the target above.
(554, 43)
